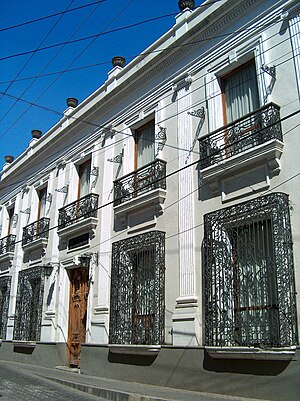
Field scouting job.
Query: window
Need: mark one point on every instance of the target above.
(84, 171)
(240, 92)
(29, 305)
(4, 303)
(137, 290)
(144, 138)
(249, 275)
(42, 194)
(10, 212)
(79, 241)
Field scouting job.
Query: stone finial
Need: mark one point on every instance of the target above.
(9, 159)
(183, 4)
(118, 61)
(36, 133)
(72, 102)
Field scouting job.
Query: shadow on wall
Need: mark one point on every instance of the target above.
(253, 367)
(138, 360)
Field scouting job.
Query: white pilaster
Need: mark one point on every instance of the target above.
(185, 322)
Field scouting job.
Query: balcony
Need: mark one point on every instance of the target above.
(255, 139)
(145, 186)
(36, 234)
(7, 247)
(79, 216)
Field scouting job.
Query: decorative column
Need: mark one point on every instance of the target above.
(100, 317)
(185, 322)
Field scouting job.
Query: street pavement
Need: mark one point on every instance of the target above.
(15, 385)
(20, 382)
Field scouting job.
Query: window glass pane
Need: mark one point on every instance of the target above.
(241, 92)
(145, 145)
(42, 193)
(84, 179)
(255, 289)
(10, 219)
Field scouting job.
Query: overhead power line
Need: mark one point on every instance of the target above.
(134, 192)
(50, 16)
(96, 35)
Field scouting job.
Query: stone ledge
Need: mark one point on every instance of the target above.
(24, 344)
(279, 354)
(134, 349)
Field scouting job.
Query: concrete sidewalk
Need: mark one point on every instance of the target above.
(116, 390)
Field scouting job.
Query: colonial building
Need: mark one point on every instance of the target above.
(152, 234)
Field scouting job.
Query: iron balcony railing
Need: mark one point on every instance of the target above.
(149, 177)
(247, 132)
(7, 244)
(37, 230)
(79, 210)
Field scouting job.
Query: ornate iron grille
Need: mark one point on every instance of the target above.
(138, 290)
(4, 304)
(7, 244)
(145, 179)
(79, 210)
(249, 275)
(245, 133)
(29, 305)
(37, 230)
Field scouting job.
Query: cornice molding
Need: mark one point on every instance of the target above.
(184, 45)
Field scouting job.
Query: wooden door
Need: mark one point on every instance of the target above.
(79, 289)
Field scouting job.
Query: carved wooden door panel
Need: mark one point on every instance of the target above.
(79, 289)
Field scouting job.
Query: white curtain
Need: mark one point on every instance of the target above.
(146, 146)
(241, 92)
(42, 203)
(84, 179)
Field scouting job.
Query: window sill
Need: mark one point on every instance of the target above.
(276, 354)
(24, 344)
(134, 349)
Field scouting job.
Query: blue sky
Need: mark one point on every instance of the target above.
(17, 118)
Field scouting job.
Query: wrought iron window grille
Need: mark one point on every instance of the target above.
(29, 305)
(249, 275)
(145, 179)
(7, 244)
(138, 290)
(37, 230)
(79, 210)
(245, 133)
(5, 283)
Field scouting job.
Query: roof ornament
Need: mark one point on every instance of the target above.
(118, 61)
(183, 4)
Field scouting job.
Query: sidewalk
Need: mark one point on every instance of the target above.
(116, 390)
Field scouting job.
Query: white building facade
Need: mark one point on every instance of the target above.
(152, 234)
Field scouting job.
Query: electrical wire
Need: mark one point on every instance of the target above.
(97, 126)
(135, 192)
(19, 118)
(164, 105)
(126, 134)
(44, 68)
(50, 16)
(28, 61)
(129, 26)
